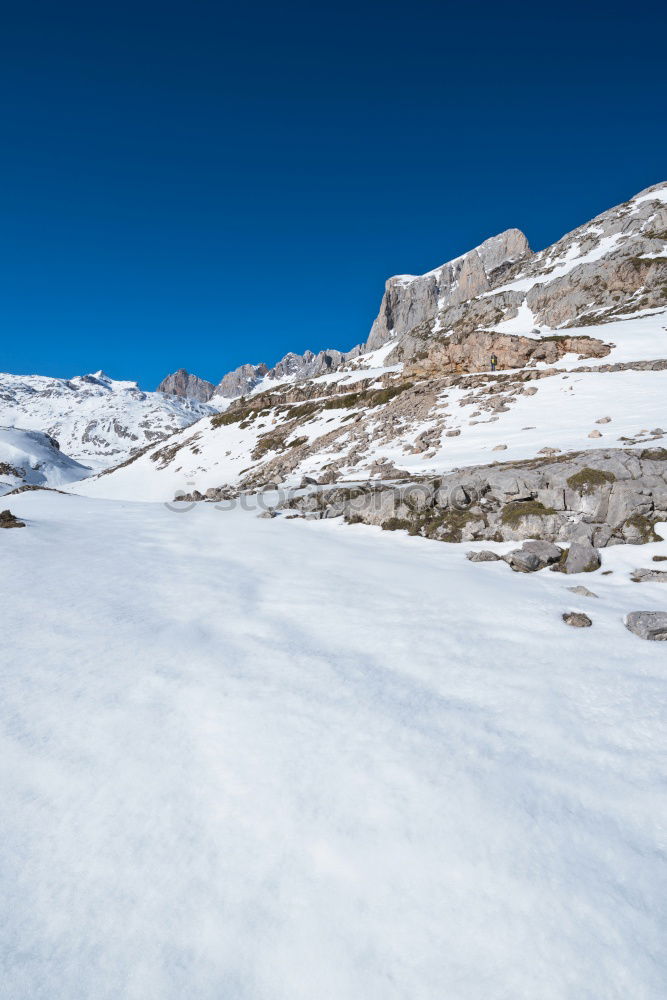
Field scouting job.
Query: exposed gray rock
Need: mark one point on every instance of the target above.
(582, 557)
(187, 386)
(582, 591)
(577, 619)
(484, 555)
(523, 562)
(533, 555)
(648, 576)
(547, 552)
(410, 300)
(240, 381)
(647, 624)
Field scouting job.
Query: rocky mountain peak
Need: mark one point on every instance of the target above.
(411, 299)
(241, 380)
(188, 386)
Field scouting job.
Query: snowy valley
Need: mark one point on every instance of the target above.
(294, 704)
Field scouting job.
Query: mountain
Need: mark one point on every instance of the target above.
(33, 458)
(579, 331)
(185, 385)
(96, 420)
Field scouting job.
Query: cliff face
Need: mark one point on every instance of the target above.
(613, 266)
(187, 386)
(240, 381)
(410, 300)
(610, 267)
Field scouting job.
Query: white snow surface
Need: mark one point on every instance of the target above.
(96, 420)
(286, 760)
(30, 457)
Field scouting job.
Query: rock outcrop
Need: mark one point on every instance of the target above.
(240, 381)
(588, 500)
(187, 386)
(648, 624)
(610, 266)
(9, 520)
(409, 300)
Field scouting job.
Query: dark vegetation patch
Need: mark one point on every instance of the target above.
(514, 512)
(588, 480)
(396, 524)
(645, 528)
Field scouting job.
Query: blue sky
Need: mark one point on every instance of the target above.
(201, 184)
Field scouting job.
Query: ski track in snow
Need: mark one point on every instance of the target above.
(286, 760)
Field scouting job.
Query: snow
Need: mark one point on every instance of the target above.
(36, 459)
(560, 415)
(634, 400)
(280, 760)
(523, 323)
(639, 337)
(96, 420)
(660, 195)
(568, 261)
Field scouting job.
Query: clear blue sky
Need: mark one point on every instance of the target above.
(201, 184)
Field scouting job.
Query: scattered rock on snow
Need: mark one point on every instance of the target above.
(648, 576)
(485, 555)
(647, 624)
(603, 420)
(8, 520)
(546, 551)
(577, 619)
(500, 447)
(582, 591)
(582, 557)
(595, 434)
(532, 556)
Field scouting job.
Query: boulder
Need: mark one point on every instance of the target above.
(577, 619)
(532, 556)
(523, 562)
(582, 591)
(484, 555)
(648, 576)
(582, 557)
(8, 520)
(546, 551)
(647, 624)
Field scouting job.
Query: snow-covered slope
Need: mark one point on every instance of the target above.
(579, 331)
(293, 760)
(32, 458)
(357, 425)
(95, 419)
